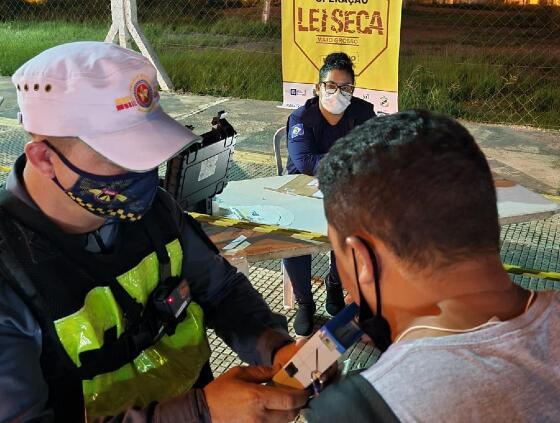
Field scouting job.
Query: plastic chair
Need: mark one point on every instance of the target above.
(277, 139)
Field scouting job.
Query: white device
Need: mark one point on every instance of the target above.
(321, 350)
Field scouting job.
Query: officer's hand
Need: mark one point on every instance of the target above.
(285, 354)
(238, 396)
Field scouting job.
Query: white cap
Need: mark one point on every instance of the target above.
(104, 94)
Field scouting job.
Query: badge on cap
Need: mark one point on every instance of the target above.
(142, 96)
(143, 93)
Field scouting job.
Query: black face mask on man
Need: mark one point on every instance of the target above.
(375, 326)
(124, 197)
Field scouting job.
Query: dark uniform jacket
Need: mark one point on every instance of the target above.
(310, 136)
(232, 307)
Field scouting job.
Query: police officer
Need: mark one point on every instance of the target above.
(106, 286)
(312, 131)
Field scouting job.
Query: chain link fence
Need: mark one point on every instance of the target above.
(488, 61)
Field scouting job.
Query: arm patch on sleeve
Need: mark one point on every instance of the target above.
(296, 131)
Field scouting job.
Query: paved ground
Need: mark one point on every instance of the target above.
(528, 156)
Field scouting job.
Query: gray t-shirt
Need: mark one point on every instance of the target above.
(507, 372)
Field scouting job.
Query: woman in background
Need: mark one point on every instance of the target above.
(312, 131)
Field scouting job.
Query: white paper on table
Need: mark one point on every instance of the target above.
(318, 194)
(519, 201)
(235, 242)
(240, 247)
(266, 215)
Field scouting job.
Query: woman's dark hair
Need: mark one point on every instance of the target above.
(338, 61)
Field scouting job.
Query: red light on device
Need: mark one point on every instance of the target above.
(169, 300)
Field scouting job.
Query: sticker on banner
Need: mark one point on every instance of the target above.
(384, 101)
(295, 91)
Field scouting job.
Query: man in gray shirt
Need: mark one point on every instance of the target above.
(412, 216)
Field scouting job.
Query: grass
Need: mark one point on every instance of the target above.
(480, 92)
(500, 65)
(22, 40)
(217, 72)
(199, 59)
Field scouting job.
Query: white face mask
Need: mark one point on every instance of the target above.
(335, 103)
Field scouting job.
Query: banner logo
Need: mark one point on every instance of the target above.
(326, 23)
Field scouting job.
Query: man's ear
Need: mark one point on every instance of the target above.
(40, 156)
(364, 265)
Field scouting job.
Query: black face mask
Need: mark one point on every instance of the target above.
(375, 326)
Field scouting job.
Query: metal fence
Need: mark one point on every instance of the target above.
(490, 62)
(487, 61)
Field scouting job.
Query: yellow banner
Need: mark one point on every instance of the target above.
(367, 30)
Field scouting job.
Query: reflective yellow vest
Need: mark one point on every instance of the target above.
(84, 302)
(164, 370)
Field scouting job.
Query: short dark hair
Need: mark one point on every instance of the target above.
(338, 61)
(416, 180)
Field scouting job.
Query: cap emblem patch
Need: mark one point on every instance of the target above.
(143, 94)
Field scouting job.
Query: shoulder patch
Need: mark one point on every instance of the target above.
(297, 130)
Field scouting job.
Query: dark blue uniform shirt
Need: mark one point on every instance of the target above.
(310, 136)
(236, 311)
